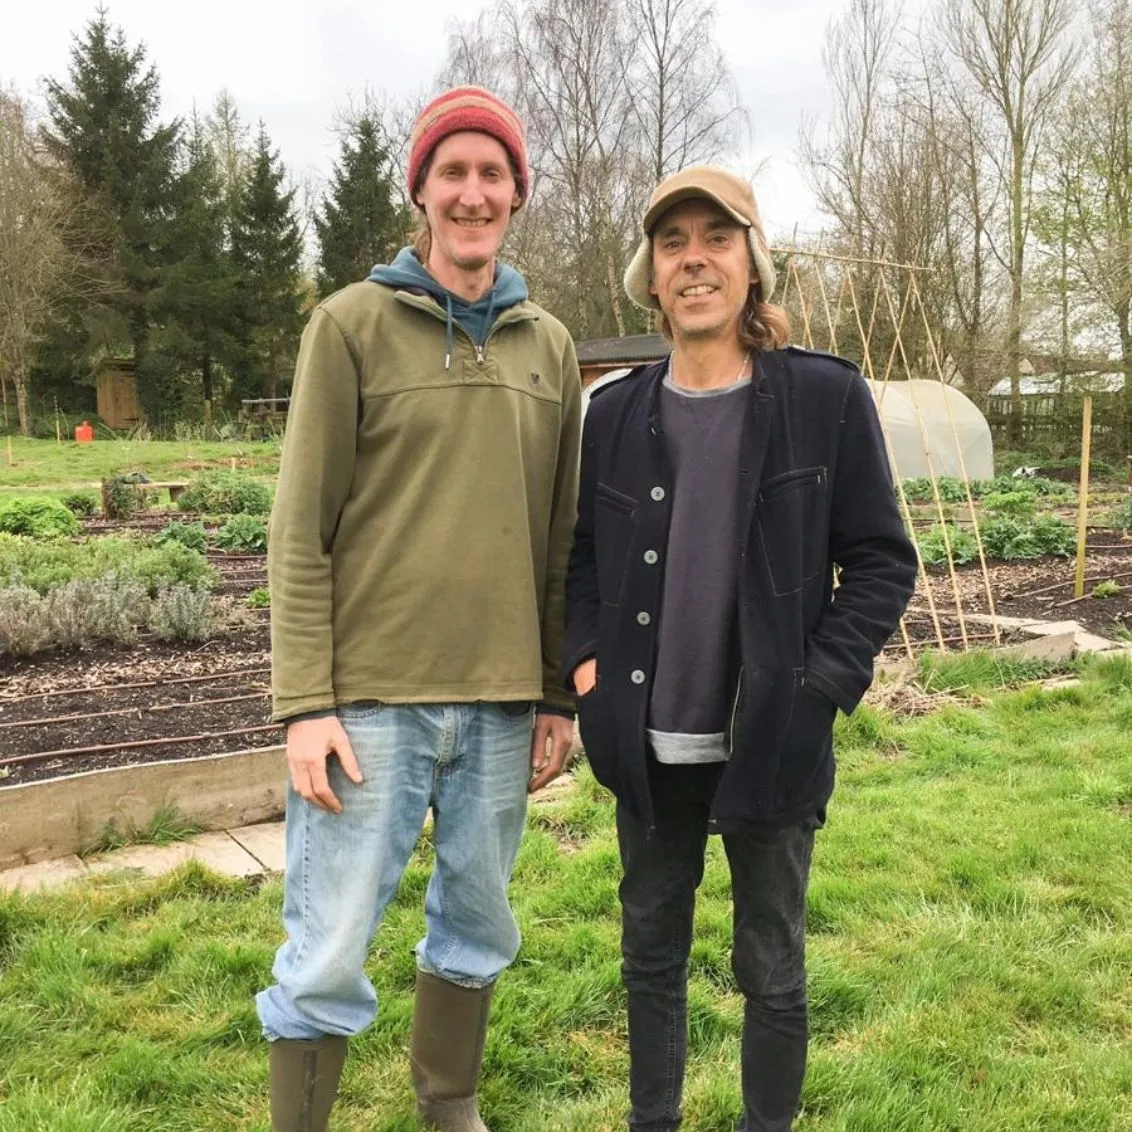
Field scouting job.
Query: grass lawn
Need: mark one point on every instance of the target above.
(970, 951)
(46, 464)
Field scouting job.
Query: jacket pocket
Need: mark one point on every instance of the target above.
(614, 516)
(791, 528)
(807, 748)
(594, 730)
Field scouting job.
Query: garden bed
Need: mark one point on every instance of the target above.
(147, 704)
(129, 700)
(1014, 586)
(105, 706)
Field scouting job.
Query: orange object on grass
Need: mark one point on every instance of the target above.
(84, 433)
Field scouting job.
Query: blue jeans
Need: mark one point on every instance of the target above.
(471, 764)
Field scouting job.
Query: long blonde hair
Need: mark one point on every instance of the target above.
(420, 236)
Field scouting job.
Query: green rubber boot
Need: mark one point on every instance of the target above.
(449, 1028)
(304, 1082)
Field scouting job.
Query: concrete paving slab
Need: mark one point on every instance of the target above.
(216, 850)
(150, 860)
(1036, 628)
(220, 852)
(1090, 642)
(44, 874)
(1057, 646)
(267, 843)
(1053, 628)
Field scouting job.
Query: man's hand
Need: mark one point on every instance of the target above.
(556, 733)
(310, 742)
(585, 676)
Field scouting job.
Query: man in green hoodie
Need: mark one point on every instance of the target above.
(418, 551)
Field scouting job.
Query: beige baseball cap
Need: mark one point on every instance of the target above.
(705, 182)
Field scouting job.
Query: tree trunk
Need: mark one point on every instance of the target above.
(1014, 337)
(615, 295)
(139, 337)
(272, 375)
(206, 369)
(20, 381)
(1125, 319)
(1063, 287)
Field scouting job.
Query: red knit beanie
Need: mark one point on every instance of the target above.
(467, 108)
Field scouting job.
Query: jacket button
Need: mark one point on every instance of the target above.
(638, 677)
(657, 493)
(651, 557)
(643, 618)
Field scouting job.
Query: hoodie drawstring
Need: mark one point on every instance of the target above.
(448, 336)
(490, 319)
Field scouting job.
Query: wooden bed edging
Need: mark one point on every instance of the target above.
(59, 816)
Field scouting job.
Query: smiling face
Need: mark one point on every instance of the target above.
(468, 196)
(701, 270)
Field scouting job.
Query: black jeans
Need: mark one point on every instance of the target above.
(658, 894)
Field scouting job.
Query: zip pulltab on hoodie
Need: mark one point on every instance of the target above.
(490, 322)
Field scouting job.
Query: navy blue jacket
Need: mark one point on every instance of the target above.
(818, 493)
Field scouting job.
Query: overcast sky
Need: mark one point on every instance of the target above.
(292, 64)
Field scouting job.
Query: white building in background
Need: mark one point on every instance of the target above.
(1050, 384)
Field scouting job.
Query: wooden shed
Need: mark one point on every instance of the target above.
(118, 402)
(599, 356)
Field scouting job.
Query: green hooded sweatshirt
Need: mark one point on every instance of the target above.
(426, 504)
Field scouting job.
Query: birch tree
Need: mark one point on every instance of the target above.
(1017, 57)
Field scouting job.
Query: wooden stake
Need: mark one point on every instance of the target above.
(233, 463)
(58, 432)
(831, 345)
(867, 368)
(11, 462)
(962, 463)
(943, 527)
(807, 335)
(1083, 493)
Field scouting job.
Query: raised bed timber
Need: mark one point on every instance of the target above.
(55, 817)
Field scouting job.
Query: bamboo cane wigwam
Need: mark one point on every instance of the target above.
(879, 307)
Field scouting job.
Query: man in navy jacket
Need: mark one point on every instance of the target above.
(706, 643)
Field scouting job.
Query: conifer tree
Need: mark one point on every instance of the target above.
(104, 129)
(266, 253)
(362, 222)
(199, 303)
(228, 138)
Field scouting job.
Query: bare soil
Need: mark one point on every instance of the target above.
(148, 703)
(160, 695)
(1038, 589)
(165, 698)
